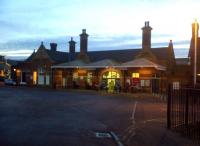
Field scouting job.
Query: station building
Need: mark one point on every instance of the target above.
(144, 69)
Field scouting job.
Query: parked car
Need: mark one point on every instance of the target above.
(9, 82)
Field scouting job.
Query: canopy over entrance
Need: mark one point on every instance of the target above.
(142, 62)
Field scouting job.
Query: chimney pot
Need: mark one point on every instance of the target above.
(83, 30)
(53, 47)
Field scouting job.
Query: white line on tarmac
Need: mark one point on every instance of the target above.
(134, 109)
(130, 131)
(156, 120)
(116, 138)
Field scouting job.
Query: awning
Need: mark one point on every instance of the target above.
(142, 62)
(80, 64)
(103, 64)
(106, 63)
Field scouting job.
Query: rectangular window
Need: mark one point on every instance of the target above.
(40, 76)
(142, 83)
(176, 85)
(41, 79)
(34, 78)
(75, 76)
(89, 78)
(135, 75)
(145, 83)
(64, 82)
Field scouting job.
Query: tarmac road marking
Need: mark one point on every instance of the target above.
(102, 135)
(162, 120)
(116, 138)
(130, 131)
(134, 109)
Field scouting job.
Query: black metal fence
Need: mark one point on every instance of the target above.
(183, 113)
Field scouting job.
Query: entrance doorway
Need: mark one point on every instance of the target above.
(34, 78)
(110, 80)
(155, 85)
(111, 76)
(23, 77)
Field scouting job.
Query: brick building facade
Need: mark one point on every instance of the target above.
(147, 69)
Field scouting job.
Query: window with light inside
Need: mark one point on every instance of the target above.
(135, 75)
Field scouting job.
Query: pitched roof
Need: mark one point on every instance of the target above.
(182, 61)
(142, 62)
(125, 55)
(71, 64)
(117, 55)
(30, 57)
(81, 64)
(160, 53)
(56, 56)
(12, 62)
(103, 63)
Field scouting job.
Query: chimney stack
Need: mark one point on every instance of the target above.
(53, 47)
(146, 36)
(83, 41)
(72, 46)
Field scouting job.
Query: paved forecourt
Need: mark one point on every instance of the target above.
(46, 117)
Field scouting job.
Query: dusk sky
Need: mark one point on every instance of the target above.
(111, 24)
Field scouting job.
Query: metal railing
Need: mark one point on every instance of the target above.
(183, 112)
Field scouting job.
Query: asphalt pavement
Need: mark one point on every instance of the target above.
(47, 117)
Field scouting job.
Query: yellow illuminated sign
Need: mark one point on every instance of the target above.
(135, 75)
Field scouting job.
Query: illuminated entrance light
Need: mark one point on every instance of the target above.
(34, 77)
(135, 75)
(110, 78)
(198, 74)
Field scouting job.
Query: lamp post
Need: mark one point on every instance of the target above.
(195, 51)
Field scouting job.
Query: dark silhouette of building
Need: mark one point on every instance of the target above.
(148, 69)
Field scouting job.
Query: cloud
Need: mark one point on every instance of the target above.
(25, 47)
(113, 24)
(181, 52)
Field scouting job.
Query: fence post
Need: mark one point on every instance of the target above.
(169, 99)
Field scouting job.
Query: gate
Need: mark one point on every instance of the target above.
(183, 112)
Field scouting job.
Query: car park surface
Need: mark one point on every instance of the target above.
(46, 117)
